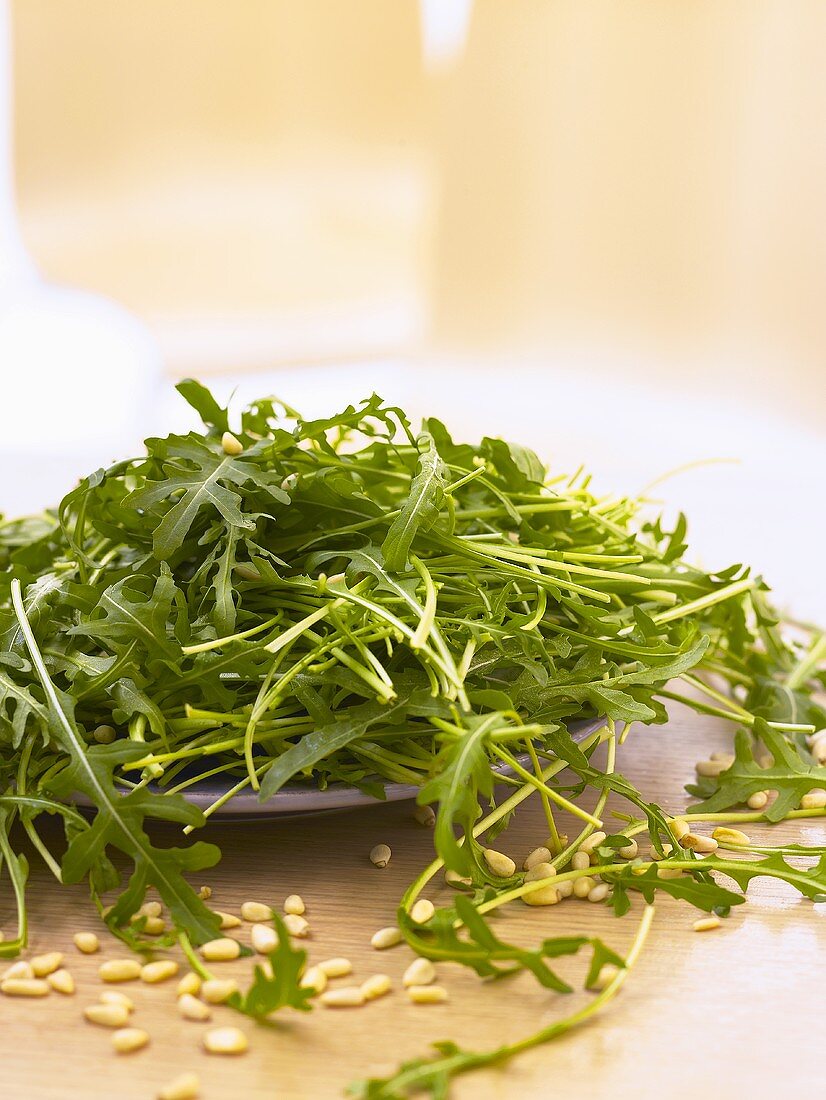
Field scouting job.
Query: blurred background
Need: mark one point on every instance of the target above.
(598, 226)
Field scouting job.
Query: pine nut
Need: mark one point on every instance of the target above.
(230, 445)
(221, 950)
(160, 971)
(24, 987)
(225, 1040)
(818, 746)
(599, 892)
(19, 969)
(593, 841)
(712, 768)
(607, 973)
(347, 996)
(420, 972)
(115, 997)
(669, 872)
(189, 983)
(294, 906)
(297, 926)
(193, 1009)
(228, 920)
(107, 1015)
(730, 836)
(386, 937)
(540, 871)
(380, 855)
(758, 801)
(218, 990)
(154, 926)
(815, 799)
(679, 828)
(185, 1087)
(425, 816)
(499, 863)
(62, 982)
(104, 735)
(119, 970)
(547, 895)
(422, 911)
(630, 851)
(457, 881)
(264, 939)
(563, 889)
(667, 851)
(127, 1039)
(580, 860)
(150, 909)
(314, 979)
(427, 994)
(256, 912)
(706, 924)
(583, 886)
(376, 986)
(335, 968)
(43, 965)
(727, 756)
(86, 942)
(205, 893)
(538, 855)
(703, 845)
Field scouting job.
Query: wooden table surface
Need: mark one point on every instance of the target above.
(739, 1008)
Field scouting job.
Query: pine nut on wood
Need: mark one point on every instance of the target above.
(706, 924)
(425, 816)
(256, 912)
(225, 1040)
(348, 996)
(43, 965)
(630, 851)
(380, 855)
(703, 845)
(192, 1009)
(127, 1039)
(758, 801)
(422, 911)
(580, 860)
(24, 987)
(711, 769)
(815, 799)
(427, 994)
(335, 968)
(185, 1087)
(221, 950)
(564, 889)
(107, 1015)
(150, 909)
(599, 892)
(189, 983)
(679, 828)
(547, 895)
(314, 979)
(218, 990)
(457, 881)
(159, 971)
(376, 986)
(86, 942)
(593, 841)
(583, 886)
(730, 836)
(264, 938)
(296, 925)
(62, 982)
(386, 937)
(294, 905)
(538, 855)
(228, 920)
(499, 863)
(19, 969)
(154, 926)
(115, 997)
(119, 970)
(420, 972)
(539, 871)
(205, 893)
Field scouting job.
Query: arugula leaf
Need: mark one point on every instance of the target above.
(421, 508)
(276, 985)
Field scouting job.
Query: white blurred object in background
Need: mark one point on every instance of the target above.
(77, 370)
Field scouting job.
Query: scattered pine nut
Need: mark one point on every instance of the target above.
(225, 1040)
(189, 983)
(230, 445)
(706, 924)
(703, 845)
(376, 986)
(386, 937)
(228, 920)
(679, 828)
(264, 938)
(457, 881)
(19, 969)
(815, 799)
(87, 943)
(43, 965)
(335, 968)
(159, 971)
(422, 911)
(115, 997)
(669, 872)
(62, 982)
(347, 996)
(150, 909)
(193, 1009)
(580, 860)
(420, 972)
(713, 768)
(119, 970)
(127, 1039)
(499, 863)
(104, 735)
(294, 906)
(599, 892)
(758, 801)
(630, 851)
(563, 889)
(583, 886)
(380, 855)
(205, 893)
(107, 1015)
(539, 871)
(547, 895)
(427, 994)
(425, 816)
(221, 950)
(666, 852)
(154, 926)
(185, 1087)
(255, 912)
(24, 987)
(218, 990)
(314, 979)
(593, 841)
(538, 855)
(730, 836)
(297, 926)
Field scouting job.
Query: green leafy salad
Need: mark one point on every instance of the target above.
(347, 601)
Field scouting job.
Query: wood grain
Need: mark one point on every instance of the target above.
(704, 1014)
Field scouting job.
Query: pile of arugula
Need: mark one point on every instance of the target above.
(345, 601)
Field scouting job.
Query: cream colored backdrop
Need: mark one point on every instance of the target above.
(639, 184)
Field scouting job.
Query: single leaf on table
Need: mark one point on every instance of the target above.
(421, 508)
